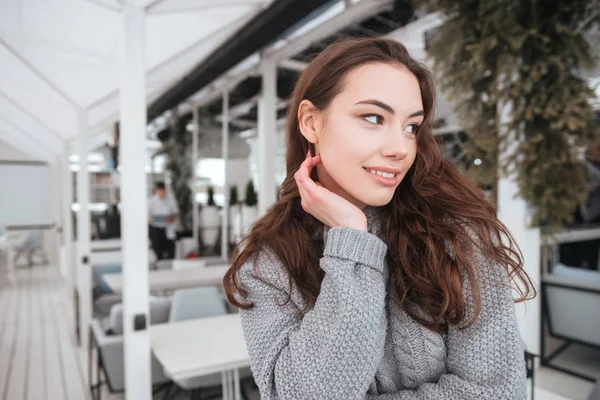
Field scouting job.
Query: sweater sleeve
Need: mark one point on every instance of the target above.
(486, 360)
(332, 351)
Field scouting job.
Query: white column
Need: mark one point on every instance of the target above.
(134, 220)
(514, 213)
(225, 151)
(58, 254)
(267, 118)
(195, 214)
(67, 222)
(83, 273)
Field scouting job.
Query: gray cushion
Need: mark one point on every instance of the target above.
(159, 313)
(579, 274)
(104, 303)
(197, 303)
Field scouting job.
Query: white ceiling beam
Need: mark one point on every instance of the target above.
(26, 145)
(29, 114)
(97, 132)
(355, 13)
(153, 4)
(113, 95)
(40, 75)
(103, 5)
(293, 65)
(165, 7)
(35, 140)
(215, 90)
(244, 123)
(242, 108)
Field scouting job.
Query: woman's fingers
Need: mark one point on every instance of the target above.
(309, 190)
(303, 173)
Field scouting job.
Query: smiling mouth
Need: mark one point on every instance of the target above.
(388, 175)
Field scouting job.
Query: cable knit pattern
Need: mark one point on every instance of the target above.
(358, 343)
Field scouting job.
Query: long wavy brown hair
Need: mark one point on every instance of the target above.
(434, 206)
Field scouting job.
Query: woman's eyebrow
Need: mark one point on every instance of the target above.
(389, 108)
(378, 104)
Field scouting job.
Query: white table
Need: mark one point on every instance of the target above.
(169, 279)
(197, 263)
(194, 348)
(106, 244)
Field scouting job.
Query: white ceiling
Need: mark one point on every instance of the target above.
(59, 56)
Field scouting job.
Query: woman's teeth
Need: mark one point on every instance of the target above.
(381, 173)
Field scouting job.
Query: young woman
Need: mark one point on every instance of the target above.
(381, 273)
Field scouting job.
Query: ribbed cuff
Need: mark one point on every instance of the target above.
(355, 245)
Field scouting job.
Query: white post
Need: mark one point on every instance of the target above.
(58, 195)
(195, 214)
(67, 221)
(134, 202)
(84, 272)
(267, 118)
(514, 213)
(225, 145)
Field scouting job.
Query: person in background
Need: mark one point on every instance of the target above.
(162, 214)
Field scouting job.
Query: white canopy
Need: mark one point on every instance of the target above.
(58, 57)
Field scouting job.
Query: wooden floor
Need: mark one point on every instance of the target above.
(39, 358)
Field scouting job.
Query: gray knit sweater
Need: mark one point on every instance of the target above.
(358, 343)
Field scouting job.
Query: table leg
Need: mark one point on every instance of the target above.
(236, 382)
(225, 384)
(230, 386)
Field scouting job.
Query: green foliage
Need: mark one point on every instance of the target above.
(521, 58)
(179, 163)
(251, 195)
(211, 196)
(233, 195)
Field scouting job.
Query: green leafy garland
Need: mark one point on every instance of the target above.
(525, 54)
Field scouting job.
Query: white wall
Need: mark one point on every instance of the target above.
(27, 194)
(11, 153)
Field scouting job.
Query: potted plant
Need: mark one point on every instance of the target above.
(233, 195)
(249, 210)
(235, 211)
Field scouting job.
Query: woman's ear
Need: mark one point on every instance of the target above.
(308, 118)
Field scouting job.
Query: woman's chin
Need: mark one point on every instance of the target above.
(376, 200)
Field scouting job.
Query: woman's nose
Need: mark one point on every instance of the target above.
(397, 146)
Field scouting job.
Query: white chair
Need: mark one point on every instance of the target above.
(570, 311)
(32, 246)
(110, 352)
(200, 303)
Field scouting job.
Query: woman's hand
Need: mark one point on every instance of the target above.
(328, 207)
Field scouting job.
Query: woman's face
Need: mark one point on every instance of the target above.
(367, 137)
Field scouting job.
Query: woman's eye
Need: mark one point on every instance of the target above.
(373, 118)
(412, 128)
